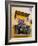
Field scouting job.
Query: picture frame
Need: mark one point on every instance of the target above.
(16, 12)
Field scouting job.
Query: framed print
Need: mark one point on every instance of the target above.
(21, 22)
